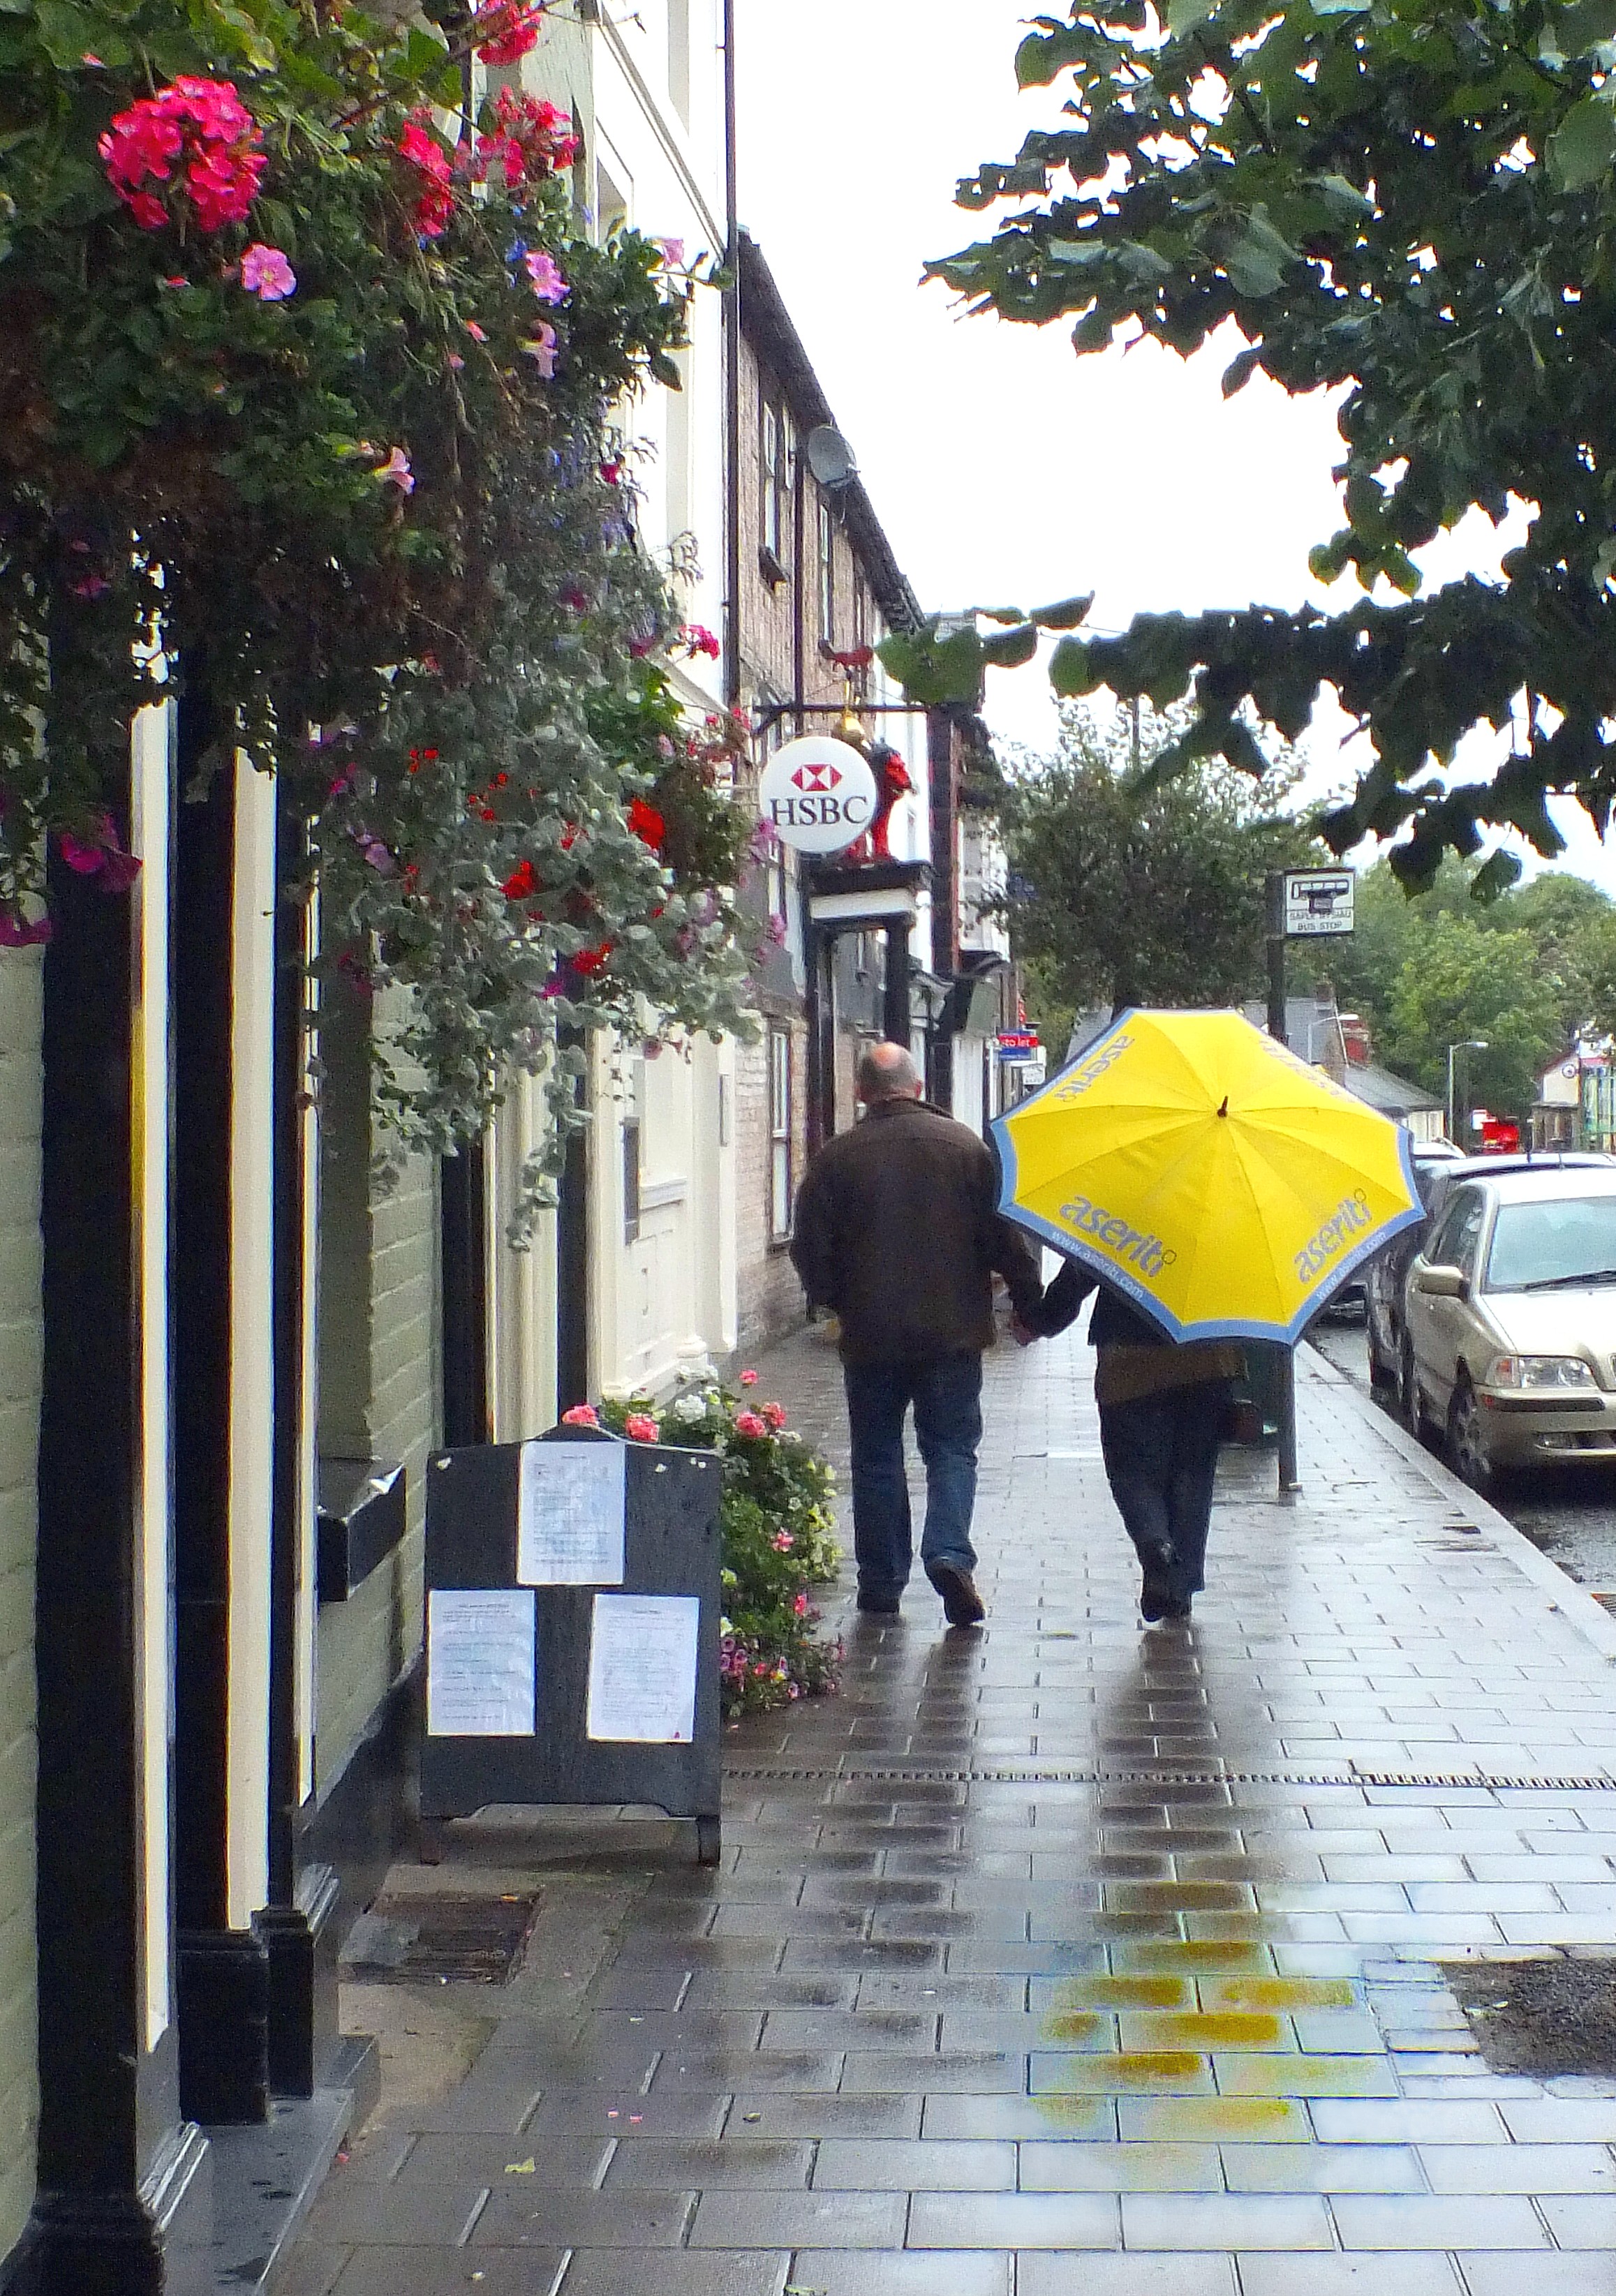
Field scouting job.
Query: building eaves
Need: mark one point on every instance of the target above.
(767, 327)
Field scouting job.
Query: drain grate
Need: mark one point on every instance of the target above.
(1175, 1778)
(433, 1939)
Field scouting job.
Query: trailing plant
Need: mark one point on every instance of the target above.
(777, 1523)
(310, 381)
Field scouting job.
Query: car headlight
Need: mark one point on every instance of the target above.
(1539, 1371)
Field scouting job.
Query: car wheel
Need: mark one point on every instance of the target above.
(1466, 1443)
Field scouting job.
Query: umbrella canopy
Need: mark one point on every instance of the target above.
(1203, 1170)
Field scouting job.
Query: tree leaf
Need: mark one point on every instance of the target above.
(1496, 875)
(1240, 371)
(1066, 615)
(1584, 144)
(1009, 649)
(1070, 671)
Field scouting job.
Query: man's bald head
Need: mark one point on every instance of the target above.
(888, 1072)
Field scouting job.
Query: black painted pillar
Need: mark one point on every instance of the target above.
(462, 1212)
(223, 1973)
(895, 1018)
(111, 2153)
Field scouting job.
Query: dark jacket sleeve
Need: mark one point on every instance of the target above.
(1058, 1308)
(1015, 1258)
(812, 1243)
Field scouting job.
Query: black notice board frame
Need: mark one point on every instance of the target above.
(671, 1545)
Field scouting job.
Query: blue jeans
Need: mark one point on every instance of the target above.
(1160, 1453)
(947, 1394)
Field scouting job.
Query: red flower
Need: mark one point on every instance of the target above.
(198, 126)
(747, 1423)
(695, 640)
(591, 960)
(521, 884)
(774, 1413)
(101, 856)
(505, 32)
(647, 824)
(582, 1414)
(641, 1428)
(434, 199)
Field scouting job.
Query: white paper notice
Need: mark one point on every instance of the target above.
(642, 1653)
(479, 1663)
(569, 1515)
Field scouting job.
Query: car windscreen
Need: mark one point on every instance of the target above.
(1553, 1245)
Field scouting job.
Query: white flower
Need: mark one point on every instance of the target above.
(687, 1410)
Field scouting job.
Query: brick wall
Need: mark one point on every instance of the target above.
(768, 1297)
(19, 1334)
(379, 1379)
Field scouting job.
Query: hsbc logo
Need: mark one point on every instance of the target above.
(816, 795)
(816, 777)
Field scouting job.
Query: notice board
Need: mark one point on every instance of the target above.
(573, 1602)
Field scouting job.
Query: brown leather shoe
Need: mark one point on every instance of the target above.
(963, 1606)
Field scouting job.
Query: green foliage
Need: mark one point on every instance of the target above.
(382, 530)
(1468, 981)
(1530, 971)
(1417, 204)
(1132, 884)
(777, 1523)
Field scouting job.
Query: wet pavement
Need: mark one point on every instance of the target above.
(1568, 1512)
(1068, 1956)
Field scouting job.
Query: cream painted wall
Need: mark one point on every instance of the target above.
(646, 90)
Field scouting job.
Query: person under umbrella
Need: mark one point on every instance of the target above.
(1163, 1412)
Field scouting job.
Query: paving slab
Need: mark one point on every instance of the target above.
(1065, 1955)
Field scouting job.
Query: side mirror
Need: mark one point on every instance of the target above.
(1442, 1283)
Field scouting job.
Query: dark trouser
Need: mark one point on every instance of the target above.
(1161, 1455)
(946, 1392)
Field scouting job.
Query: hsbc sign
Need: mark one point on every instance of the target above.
(818, 794)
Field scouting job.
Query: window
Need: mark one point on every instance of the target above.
(861, 613)
(827, 573)
(1566, 1242)
(679, 57)
(773, 462)
(1454, 1244)
(779, 1134)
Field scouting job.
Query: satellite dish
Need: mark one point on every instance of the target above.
(830, 457)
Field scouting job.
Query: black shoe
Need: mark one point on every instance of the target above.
(963, 1606)
(878, 1604)
(1180, 1610)
(1156, 1596)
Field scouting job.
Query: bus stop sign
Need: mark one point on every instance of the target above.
(1318, 901)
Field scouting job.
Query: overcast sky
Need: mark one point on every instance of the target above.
(1005, 469)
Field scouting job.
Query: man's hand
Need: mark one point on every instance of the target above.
(1020, 1333)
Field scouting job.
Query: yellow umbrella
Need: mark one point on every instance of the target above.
(1201, 1169)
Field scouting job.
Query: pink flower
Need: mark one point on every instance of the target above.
(475, 331)
(545, 272)
(696, 640)
(749, 1379)
(799, 1608)
(94, 61)
(783, 1542)
(396, 471)
(673, 252)
(90, 586)
(747, 1423)
(267, 273)
(504, 33)
(19, 933)
(581, 1414)
(542, 349)
(641, 1428)
(774, 1413)
(203, 128)
(100, 855)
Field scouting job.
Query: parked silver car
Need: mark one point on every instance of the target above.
(1509, 1312)
(1438, 1171)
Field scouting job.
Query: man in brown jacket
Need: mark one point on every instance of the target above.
(897, 1231)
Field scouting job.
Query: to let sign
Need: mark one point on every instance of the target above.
(818, 794)
(1318, 901)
